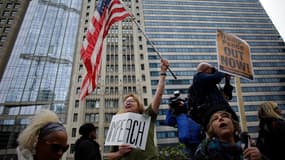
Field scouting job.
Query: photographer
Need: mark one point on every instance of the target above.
(189, 132)
(205, 96)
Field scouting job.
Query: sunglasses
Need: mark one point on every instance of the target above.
(58, 147)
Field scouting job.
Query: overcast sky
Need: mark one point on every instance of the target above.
(276, 11)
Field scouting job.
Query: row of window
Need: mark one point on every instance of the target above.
(213, 19)
(212, 43)
(197, 13)
(201, 30)
(251, 3)
(212, 24)
(185, 8)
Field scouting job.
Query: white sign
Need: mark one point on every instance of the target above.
(128, 128)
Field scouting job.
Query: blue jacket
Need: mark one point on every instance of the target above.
(189, 132)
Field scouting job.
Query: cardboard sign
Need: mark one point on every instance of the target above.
(234, 55)
(128, 128)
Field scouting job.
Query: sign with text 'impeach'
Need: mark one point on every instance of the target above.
(128, 128)
(234, 55)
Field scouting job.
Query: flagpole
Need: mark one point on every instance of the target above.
(156, 51)
(133, 18)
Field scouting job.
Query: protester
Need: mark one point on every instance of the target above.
(204, 95)
(223, 142)
(45, 138)
(271, 135)
(85, 147)
(133, 104)
(189, 132)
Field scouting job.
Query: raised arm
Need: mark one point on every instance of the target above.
(160, 87)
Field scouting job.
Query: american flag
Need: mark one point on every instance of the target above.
(107, 13)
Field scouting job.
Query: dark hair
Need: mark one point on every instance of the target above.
(86, 128)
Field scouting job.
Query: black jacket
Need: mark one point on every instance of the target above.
(209, 97)
(86, 149)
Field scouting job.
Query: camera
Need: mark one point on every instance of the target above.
(213, 70)
(176, 104)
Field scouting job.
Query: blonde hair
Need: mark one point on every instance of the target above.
(210, 130)
(28, 138)
(267, 110)
(136, 98)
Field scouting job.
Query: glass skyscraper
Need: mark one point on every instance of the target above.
(39, 70)
(184, 32)
(12, 13)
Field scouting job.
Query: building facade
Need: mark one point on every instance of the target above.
(125, 69)
(185, 33)
(38, 73)
(11, 15)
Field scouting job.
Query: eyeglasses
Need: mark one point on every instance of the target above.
(58, 147)
(130, 101)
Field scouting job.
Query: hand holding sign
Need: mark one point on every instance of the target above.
(128, 128)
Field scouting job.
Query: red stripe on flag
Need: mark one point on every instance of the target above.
(91, 51)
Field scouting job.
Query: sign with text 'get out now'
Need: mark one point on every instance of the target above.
(234, 55)
(128, 128)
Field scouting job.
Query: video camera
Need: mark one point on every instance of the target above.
(176, 104)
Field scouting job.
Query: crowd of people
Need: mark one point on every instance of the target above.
(213, 135)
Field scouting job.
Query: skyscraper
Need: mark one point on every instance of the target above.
(39, 70)
(11, 15)
(185, 33)
(125, 69)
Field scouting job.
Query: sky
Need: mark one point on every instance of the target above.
(276, 11)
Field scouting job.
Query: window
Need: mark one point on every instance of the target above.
(75, 117)
(76, 105)
(79, 79)
(142, 66)
(143, 77)
(144, 89)
(14, 111)
(91, 103)
(80, 67)
(73, 134)
(108, 117)
(141, 56)
(77, 90)
(92, 117)
(145, 101)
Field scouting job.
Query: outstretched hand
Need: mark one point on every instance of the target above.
(163, 65)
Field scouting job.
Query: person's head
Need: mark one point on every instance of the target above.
(45, 136)
(88, 130)
(132, 104)
(222, 126)
(269, 110)
(205, 67)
